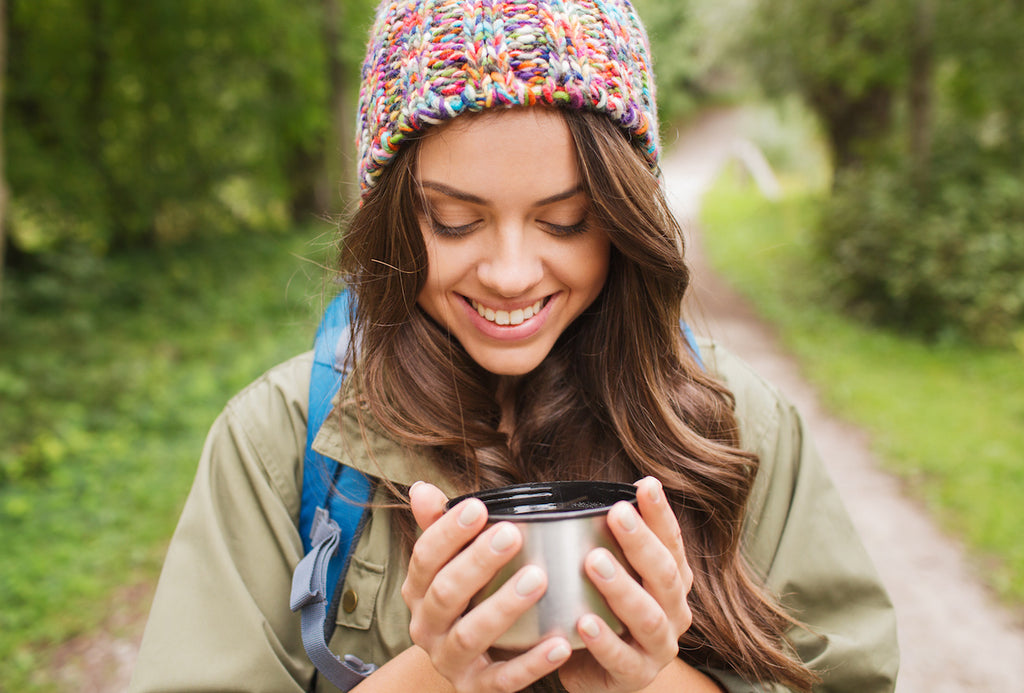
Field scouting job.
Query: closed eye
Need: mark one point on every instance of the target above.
(452, 231)
(566, 230)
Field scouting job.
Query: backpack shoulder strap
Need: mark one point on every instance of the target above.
(691, 340)
(331, 514)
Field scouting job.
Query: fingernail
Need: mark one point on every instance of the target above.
(529, 581)
(626, 516)
(603, 565)
(503, 538)
(559, 652)
(654, 492)
(415, 484)
(469, 514)
(589, 626)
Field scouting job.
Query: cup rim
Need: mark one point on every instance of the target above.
(547, 496)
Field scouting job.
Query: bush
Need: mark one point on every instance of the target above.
(945, 263)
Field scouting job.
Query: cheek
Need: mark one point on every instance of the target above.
(592, 262)
(448, 262)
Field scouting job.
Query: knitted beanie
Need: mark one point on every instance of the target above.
(430, 60)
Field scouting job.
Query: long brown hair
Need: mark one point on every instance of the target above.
(619, 397)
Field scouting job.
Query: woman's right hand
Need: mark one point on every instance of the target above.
(451, 561)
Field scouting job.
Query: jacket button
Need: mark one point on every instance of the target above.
(349, 600)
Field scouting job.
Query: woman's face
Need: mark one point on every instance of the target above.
(513, 258)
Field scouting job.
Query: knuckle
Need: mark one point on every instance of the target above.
(686, 573)
(677, 534)
(685, 618)
(668, 578)
(407, 594)
(656, 622)
(461, 637)
(417, 631)
(418, 561)
(502, 682)
(624, 667)
(445, 594)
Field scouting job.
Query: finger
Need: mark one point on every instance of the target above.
(659, 515)
(427, 503)
(621, 663)
(518, 673)
(440, 541)
(492, 617)
(658, 568)
(643, 616)
(449, 594)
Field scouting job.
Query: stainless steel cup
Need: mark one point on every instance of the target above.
(561, 522)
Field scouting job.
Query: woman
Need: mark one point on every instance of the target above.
(518, 280)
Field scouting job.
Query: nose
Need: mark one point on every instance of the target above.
(512, 264)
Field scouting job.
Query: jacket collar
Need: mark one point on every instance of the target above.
(366, 448)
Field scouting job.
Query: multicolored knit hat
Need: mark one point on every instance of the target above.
(430, 60)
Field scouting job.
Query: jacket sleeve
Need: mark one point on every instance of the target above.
(220, 619)
(800, 539)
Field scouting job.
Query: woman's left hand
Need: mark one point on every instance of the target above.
(654, 610)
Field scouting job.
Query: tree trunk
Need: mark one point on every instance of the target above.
(340, 162)
(920, 94)
(852, 125)
(3, 178)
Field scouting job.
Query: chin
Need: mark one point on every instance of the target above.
(509, 370)
(499, 365)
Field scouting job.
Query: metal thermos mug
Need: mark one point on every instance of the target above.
(561, 522)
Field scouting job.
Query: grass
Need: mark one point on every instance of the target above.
(948, 418)
(112, 371)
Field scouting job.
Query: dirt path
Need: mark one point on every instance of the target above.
(953, 636)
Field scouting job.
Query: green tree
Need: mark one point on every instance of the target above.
(928, 235)
(674, 32)
(3, 179)
(135, 123)
(847, 59)
(921, 106)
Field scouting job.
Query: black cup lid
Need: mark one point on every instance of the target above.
(550, 500)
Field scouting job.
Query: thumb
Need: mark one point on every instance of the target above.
(427, 503)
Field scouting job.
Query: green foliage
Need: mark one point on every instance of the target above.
(113, 370)
(922, 107)
(937, 246)
(673, 33)
(980, 49)
(948, 264)
(845, 59)
(133, 122)
(847, 47)
(948, 418)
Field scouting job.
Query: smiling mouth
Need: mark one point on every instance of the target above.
(507, 317)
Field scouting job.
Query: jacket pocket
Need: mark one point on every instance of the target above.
(359, 594)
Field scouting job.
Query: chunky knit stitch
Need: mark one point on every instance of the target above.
(430, 60)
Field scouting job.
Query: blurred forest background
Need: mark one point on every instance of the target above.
(169, 171)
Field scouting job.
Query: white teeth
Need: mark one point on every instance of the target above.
(505, 317)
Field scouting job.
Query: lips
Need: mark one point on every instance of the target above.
(510, 318)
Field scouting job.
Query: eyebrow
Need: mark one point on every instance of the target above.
(475, 199)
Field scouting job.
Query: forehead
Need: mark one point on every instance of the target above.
(502, 155)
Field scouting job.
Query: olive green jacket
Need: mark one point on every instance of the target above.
(220, 619)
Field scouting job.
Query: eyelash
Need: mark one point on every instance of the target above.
(451, 231)
(458, 231)
(571, 230)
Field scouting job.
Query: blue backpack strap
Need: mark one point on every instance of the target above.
(334, 500)
(691, 339)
